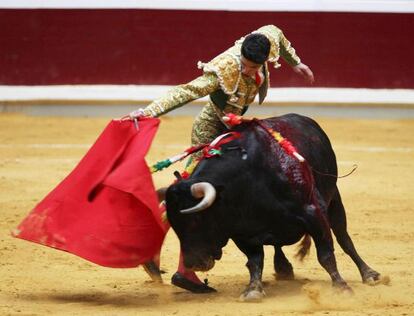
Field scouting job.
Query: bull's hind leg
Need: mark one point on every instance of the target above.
(321, 235)
(255, 255)
(337, 218)
(283, 268)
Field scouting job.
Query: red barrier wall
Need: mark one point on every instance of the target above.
(135, 46)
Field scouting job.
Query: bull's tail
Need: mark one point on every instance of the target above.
(303, 247)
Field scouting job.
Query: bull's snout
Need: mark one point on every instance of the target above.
(217, 254)
(198, 262)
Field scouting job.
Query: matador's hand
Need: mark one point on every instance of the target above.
(305, 72)
(136, 114)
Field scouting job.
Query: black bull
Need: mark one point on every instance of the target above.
(263, 196)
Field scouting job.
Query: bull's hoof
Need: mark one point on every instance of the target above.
(153, 271)
(378, 279)
(371, 277)
(199, 288)
(252, 296)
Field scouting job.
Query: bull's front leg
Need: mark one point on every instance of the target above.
(255, 255)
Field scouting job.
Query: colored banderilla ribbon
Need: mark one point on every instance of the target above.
(286, 145)
(158, 166)
(212, 149)
(233, 120)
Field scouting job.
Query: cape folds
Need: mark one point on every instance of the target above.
(106, 210)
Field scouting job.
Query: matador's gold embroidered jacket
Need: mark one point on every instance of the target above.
(229, 90)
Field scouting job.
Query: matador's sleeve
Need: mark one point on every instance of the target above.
(287, 52)
(279, 46)
(183, 94)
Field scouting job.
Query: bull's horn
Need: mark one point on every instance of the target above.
(203, 190)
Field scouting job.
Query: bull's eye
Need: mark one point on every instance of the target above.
(242, 151)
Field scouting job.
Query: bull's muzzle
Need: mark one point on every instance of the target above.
(203, 190)
(196, 263)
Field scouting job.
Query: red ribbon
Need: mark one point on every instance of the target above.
(233, 119)
(287, 146)
(206, 150)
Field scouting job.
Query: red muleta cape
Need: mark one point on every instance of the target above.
(106, 210)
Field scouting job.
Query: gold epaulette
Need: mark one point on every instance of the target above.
(227, 68)
(273, 34)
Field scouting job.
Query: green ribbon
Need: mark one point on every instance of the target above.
(161, 165)
(215, 152)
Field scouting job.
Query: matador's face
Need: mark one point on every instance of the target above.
(249, 68)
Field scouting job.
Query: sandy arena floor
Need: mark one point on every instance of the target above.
(37, 152)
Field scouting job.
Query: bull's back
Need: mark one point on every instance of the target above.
(312, 143)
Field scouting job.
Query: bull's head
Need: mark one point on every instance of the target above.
(191, 212)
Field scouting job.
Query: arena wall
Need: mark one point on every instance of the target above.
(55, 46)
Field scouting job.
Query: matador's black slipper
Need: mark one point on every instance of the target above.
(179, 280)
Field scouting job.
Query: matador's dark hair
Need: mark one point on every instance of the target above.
(256, 48)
